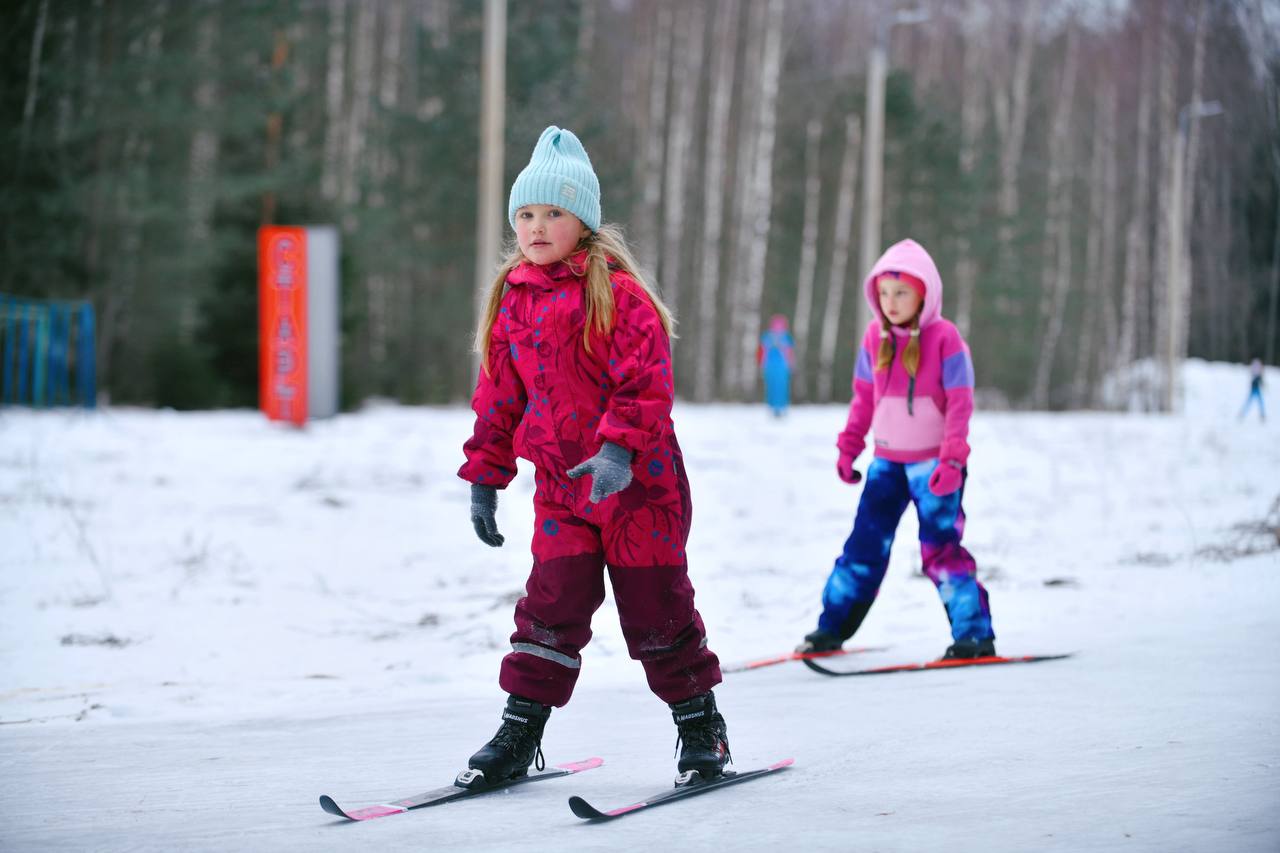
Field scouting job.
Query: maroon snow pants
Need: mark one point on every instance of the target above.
(640, 535)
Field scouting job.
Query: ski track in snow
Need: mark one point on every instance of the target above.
(208, 621)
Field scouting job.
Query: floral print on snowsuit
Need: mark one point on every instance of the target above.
(550, 400)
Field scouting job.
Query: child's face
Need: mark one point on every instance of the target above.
(546, 233)
(898, 300)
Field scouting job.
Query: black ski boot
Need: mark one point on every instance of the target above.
(819, 641)
(970, 649)
(704, 736)
(517, 744)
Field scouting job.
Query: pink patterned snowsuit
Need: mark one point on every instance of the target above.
(551, 401)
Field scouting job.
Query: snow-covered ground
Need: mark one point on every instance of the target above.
(207, 620)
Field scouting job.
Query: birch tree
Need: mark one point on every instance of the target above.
(1056, 277)
(761, 197)
(1010, 105)
(725, 46)
(1180, 309)
(1137, 246)
(972, 117)
(843, 233)
(1097, 330)
(690, 25)
(808, 254)
(1155, 324)
(748, 137)
(655, 138)
(335, 100)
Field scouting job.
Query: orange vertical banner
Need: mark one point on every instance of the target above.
(282, 323)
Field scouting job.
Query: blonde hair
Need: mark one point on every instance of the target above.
(888, 346)
(606, 250)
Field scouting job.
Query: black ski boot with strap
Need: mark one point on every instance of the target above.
(517, 744)
(702, 736)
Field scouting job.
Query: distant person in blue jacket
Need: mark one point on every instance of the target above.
(776, 357)
(1255, 391)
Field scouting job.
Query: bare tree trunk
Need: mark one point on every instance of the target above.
(363, 56)
(839, 260)
(1056, 279)
(761, 197)
(690, 21)
(275, 129)
(202, 154)
(1180, 313)
(972, 116)
(1137, 247)
(1096, 291)
(1156, 324)
(33, 79)
(1110, 229)
(134, 190)
(726, 48)
(69, 58)
(335, 101)
(587, 38)
(655, 140)
(808, 254)
(1010, 106)
(739, 249)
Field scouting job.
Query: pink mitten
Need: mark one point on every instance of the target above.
(844, 467)
(947, 477)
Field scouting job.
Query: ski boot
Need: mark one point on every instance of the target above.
(970, 649)
(517, 744)
(819, 641)
(704, 736)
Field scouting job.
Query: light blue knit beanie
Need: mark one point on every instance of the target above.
(559, 173)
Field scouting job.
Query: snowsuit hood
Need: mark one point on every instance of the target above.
(908, 256)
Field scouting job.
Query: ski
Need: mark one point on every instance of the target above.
(689, 784)
(790, 656)
(470, 783)
(954, 663)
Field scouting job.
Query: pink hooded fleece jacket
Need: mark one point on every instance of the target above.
(929, 419)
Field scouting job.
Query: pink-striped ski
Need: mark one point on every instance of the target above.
(791, 656)
(949, 663)
(688, 785)
(468, 784)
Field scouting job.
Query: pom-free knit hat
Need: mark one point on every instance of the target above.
(559, 173)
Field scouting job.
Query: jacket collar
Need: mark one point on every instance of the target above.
(551, 275)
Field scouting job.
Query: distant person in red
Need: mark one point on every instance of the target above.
(776, 357)
(1255, 391)
(576, 378)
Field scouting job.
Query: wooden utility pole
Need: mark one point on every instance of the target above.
(873, 149)
(492, 123)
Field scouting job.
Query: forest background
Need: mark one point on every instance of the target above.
(1031, 145)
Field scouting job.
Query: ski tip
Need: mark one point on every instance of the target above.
(786, 762)
(327, 803)
(585, 810)
(579, 766)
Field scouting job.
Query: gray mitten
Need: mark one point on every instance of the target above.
(610, 470)
(484, 507)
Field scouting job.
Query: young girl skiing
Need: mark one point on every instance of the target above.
(576, 378)
(913, 388)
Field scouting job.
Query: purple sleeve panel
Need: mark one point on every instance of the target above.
(957, 370)
(957, 384)
(863, 370)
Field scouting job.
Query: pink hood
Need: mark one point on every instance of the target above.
(910, 257)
